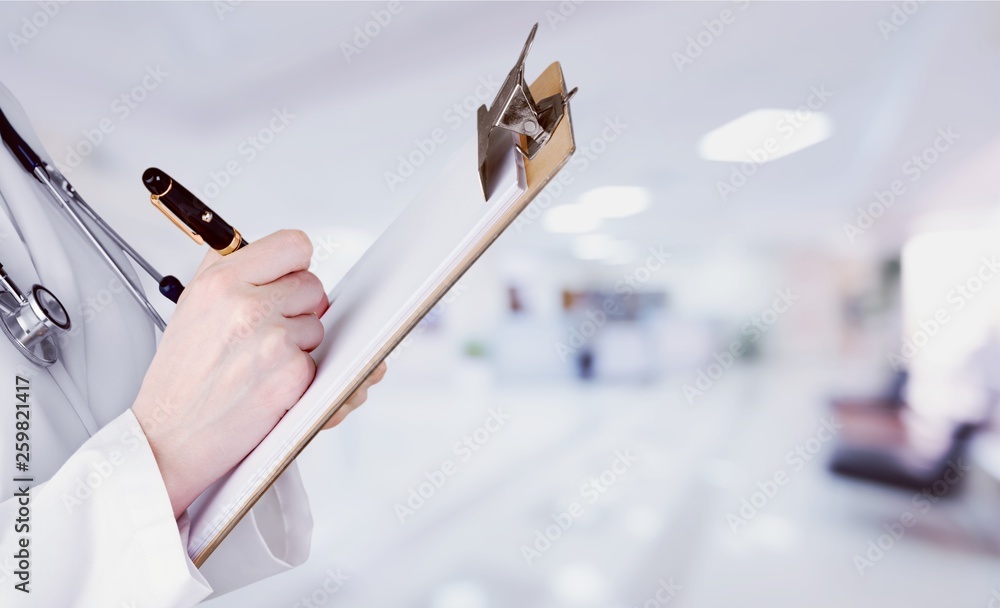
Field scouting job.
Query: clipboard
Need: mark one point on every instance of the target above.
(543, 140)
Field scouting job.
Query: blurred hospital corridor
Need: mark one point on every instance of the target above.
(743, 351)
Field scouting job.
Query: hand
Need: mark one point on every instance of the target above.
(233, 359)
(357, 397)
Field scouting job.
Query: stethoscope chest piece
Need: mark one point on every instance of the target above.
(33, 322)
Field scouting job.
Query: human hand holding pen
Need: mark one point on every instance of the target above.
(233, 359)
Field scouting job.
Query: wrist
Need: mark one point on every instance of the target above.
(171, 472)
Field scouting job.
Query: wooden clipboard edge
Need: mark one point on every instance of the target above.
(539, 172)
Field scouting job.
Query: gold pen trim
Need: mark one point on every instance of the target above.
(155, 199)
(234, 245)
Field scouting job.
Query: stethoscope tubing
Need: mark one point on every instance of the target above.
(34, 165)
(132, 253)
(42, 175)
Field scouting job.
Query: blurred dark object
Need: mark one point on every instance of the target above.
(585, 364)
(892, 400)
(884, 441)
(514, 302)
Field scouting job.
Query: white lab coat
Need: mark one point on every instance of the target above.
(102, 531)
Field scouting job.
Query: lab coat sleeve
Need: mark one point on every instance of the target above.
(102, 531)
(274, 537)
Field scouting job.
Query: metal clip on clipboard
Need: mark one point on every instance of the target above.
(514, 109)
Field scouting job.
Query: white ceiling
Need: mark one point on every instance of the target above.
(353, 119)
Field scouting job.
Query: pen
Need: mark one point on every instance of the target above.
(191, 215)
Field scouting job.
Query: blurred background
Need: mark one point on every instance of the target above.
(745, 351)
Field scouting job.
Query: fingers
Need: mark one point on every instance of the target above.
(299, 293)
(305, 331)
(373, 378)
(342, 413)
(272, 257)
(358, 397)
(305, 372)
(377, 375)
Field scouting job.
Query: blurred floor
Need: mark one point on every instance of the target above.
(664, 522)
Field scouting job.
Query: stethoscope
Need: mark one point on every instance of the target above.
(34, 320)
